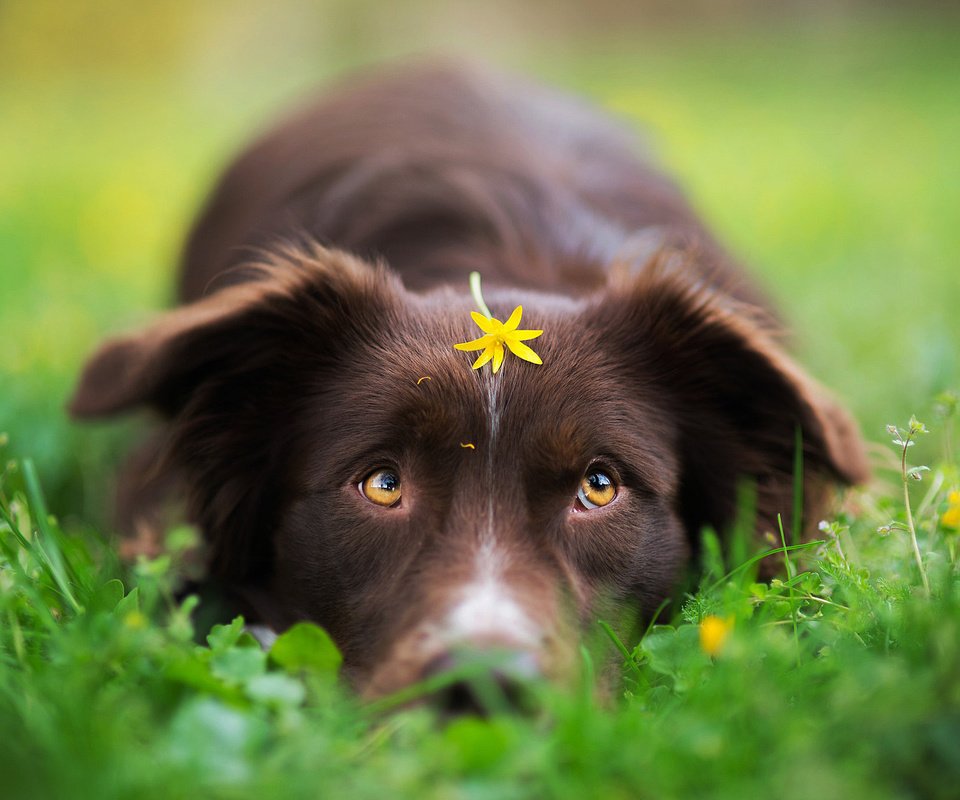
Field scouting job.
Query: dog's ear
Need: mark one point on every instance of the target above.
(295, 300)
(735, 401)
(234, 372)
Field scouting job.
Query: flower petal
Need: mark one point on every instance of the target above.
(522, 351)
(486, 324)
(513, 320)
(476, 344)
(497, 357)
(522, 336)
(485, 356)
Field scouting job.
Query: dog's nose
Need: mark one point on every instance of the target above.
(483, 682)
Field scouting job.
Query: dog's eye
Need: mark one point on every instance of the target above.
(382, 487)
(596, 489)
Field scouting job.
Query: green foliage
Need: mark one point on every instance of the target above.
(306, 647)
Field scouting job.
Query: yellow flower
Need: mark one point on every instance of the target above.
(951, 517)
(713, 633)
(500, 335)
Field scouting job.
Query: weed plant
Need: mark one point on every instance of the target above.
(838, 679)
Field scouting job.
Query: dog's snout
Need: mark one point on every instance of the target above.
(483, 682)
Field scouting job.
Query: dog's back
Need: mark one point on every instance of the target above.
(440, 170)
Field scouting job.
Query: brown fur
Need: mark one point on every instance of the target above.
(328, 274)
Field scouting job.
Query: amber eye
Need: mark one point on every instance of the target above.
(596, 489)
(382, 487)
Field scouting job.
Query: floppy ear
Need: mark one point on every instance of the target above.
(230, 371)
(298, 296)
(733, 396)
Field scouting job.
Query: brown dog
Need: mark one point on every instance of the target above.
(345, 462)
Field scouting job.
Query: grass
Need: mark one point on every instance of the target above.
(825, 156)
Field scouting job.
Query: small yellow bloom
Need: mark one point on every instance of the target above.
(713, 633)
(500, 335)
(951, 517)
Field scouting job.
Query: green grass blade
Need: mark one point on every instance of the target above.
(48, 542)
(760, 556)
(628, 658)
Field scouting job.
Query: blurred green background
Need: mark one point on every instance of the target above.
(821, 140)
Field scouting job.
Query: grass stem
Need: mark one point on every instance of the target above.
(910, 524)
(477, 293)
(790, 576)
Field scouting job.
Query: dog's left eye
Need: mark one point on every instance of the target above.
(596, 489)
(381, 487)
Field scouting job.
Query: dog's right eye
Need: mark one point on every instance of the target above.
(381, 487)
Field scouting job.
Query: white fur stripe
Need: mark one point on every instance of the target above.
(488, 611)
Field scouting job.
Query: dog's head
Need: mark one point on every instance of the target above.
(347, 465)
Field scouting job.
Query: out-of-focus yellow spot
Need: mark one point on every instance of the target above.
(467, 446)
(951, 517)
(713, 633)
(117, 224)
(424, 378)
(135, 620)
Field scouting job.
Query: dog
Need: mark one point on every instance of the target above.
(348, 465)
